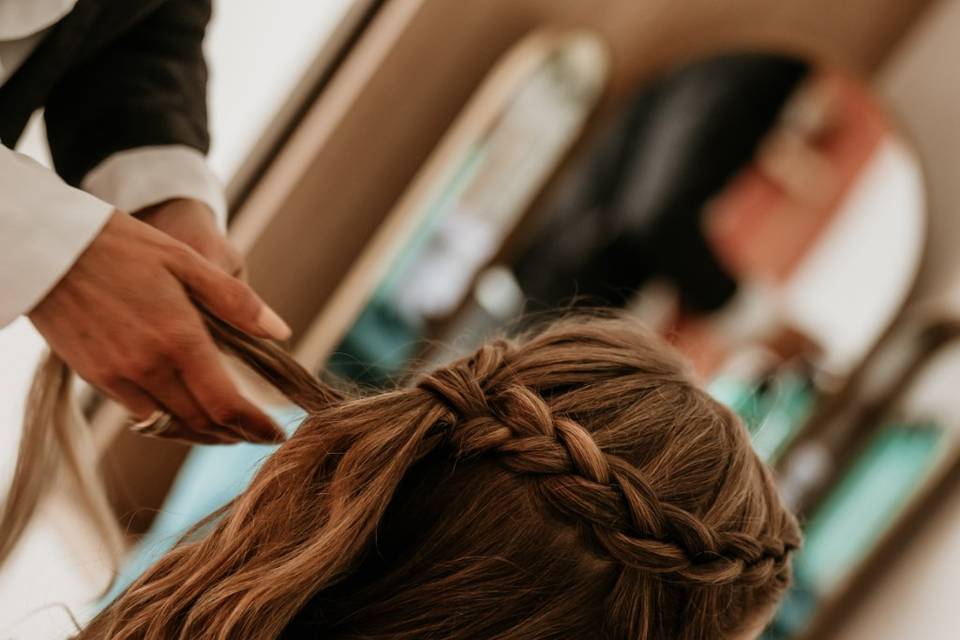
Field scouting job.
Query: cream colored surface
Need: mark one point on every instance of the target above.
(259, 52)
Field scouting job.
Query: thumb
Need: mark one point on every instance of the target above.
(228, 298)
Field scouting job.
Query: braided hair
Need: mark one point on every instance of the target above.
(573, 484)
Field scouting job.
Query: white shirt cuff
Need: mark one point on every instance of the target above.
(141, 177)
(44, 227)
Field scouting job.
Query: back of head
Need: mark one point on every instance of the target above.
(576, 484)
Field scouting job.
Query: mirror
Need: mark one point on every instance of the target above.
(748, 199)
(770, 195)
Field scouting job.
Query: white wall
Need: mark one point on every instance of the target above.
(258, 51)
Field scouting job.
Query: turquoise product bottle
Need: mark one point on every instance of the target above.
(774, 408)
(854, 517)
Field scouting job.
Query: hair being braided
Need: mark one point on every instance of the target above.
(576, 484)
(603, 491)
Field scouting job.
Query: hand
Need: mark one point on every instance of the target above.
(193, 223)
(124, 318)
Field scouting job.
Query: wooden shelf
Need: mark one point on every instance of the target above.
(889, 384)
(939, 481)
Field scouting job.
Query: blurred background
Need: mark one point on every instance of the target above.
(770, 185)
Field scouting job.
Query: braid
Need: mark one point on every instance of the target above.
(587, 485)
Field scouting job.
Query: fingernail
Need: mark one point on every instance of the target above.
(272, 324)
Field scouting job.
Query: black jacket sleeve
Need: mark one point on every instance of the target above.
(145, 87)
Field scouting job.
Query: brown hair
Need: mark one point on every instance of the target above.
(574, 484)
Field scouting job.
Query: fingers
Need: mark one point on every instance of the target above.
(227, 297)
(143, 407)
(207, 382)
(175, 399)
(180, 369)
(220, 411)
(163, 425)
(140, 404)
(124, 319)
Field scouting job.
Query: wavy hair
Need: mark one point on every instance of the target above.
(572, 484)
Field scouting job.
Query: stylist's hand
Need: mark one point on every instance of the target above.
(193, 223)
(124, 319)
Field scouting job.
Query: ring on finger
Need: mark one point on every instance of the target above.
(154, 425)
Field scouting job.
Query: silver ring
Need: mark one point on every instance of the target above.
(155, 425)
